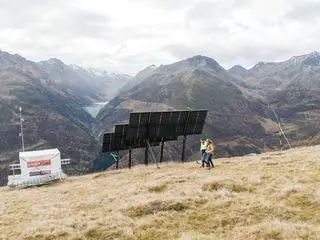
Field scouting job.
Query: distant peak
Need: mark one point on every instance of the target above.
(238, 67)
(152, 66)
(259, 65)
(98, 72)
(306, 59)
(75, 67)
(15, 56)
(200, 60)
(312, 54)
(315, 53)
(201, 57)
(53, 61)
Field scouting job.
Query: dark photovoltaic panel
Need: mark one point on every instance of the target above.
(118, 141)
(120, 138)
(108, 145)
(154, 127)
(202, 116)
(157, 125)
(155, 118)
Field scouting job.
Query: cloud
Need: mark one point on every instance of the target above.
(308, 12)
(129, 35)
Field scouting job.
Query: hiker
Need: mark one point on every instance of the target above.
(209, 153)
(203, 148)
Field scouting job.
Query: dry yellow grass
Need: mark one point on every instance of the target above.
(269, 196)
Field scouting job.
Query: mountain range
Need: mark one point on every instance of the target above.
(240, 102)
(53, 97)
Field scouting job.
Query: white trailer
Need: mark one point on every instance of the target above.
(37, 167)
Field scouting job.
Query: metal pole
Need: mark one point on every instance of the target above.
(117, 163)
(285, 137)
(154, 159)
(278, 119)
(21, 128)
(130, 157)
(161, 152)
(183, 148)
(146, 155)
(185, 138)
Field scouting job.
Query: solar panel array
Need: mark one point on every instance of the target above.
(151, 128)
(118, 140)
(157, 125)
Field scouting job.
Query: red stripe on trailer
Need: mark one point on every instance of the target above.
(39, 163)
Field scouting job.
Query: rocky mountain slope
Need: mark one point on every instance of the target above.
(52, 96)
(93, 85)
(292, 87)
(269, 196)
(197, 83)
(52, 116)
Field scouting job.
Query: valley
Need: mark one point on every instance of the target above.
(95, 108)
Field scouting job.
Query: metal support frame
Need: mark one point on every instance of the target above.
(185, 139)
(146, 154)
(183, 148)
(154, 159)
(115, 158)
(117, 161)
(161, 151)
(280, 128)
(21, 129)
(65, 161)
(285, 137)
(130, 157)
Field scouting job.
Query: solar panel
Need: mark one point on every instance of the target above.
(202, 116)
(144, 119)
(134, 119)
(146, 128)
(155, 118)
(118, 140)
(165, 117)
(108, 145)
(107, 138)
(146, 125)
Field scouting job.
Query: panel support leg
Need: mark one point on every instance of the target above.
(117, 162)
(130, 157)
(146, 155)
(183, 148)
(152, 154)
(161, 152)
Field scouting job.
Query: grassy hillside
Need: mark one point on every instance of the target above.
(268, 196)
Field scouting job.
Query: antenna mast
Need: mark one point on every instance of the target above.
(21, 127)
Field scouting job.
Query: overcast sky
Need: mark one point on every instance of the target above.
(129, 35)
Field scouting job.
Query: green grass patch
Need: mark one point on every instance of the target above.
(158, 188)
(231, 186)
(309, 208)
(155, 207)
(53, 236)
(106, 234)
